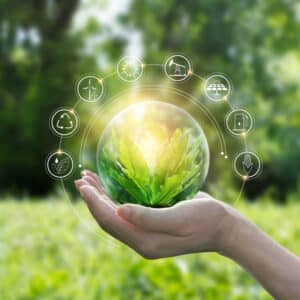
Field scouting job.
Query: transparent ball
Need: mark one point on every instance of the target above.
(154, 154)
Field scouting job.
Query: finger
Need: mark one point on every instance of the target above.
(92, 181)
(201, 195)
(79, 183)
(109, 220)
(96, 183)
(89, 181)
(93, 175)
(96, 179)
(166, 220)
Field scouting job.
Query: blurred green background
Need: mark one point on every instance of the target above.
(46, 45)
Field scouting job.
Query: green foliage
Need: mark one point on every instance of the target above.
(176, 176)
(47, 253)
(36, 56)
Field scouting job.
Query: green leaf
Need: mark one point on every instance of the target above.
(176, 175)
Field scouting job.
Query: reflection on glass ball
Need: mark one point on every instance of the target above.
(153, 154)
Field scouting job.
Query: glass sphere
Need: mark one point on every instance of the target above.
(154, 154)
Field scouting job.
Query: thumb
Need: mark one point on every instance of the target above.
(151, 219)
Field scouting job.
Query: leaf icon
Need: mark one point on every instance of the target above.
(61, 166)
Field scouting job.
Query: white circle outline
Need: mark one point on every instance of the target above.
(234, 111)
(124, 58)
(228, 83)
(99, 82)
(243, 175)
(190, 70)
(72, 112)
(60, 153)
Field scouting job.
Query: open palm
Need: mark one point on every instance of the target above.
(195, 225)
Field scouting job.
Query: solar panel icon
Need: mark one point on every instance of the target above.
(216, 88)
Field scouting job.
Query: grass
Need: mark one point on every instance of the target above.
(47, 253)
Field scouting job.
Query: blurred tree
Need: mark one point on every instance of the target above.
(37, 56)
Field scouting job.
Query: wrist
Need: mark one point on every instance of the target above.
(231, 224)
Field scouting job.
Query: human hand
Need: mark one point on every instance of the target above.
(198, 225)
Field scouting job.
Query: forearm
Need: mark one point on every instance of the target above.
(273, 266)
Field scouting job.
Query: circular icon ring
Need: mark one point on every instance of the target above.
(64, 122)
(178, 68)
(90, 88)
(130, 69)
(59, 165)
(249, 162)
(217, 88)
(239, 122)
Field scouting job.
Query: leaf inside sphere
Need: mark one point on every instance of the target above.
(153, 154)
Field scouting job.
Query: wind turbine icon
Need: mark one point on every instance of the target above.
(91, 91)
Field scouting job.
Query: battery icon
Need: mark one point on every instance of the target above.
(239, 122)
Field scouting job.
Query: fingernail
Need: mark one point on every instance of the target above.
(76, 182)
(82, 191)
(124, 211)
(83, 173)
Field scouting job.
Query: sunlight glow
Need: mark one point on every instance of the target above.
(139, 112)
(150, 146)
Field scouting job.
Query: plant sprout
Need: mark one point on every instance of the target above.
(153, 154)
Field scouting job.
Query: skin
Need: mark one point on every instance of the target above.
(202, 224)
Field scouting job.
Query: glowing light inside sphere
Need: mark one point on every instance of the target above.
(154, 154)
